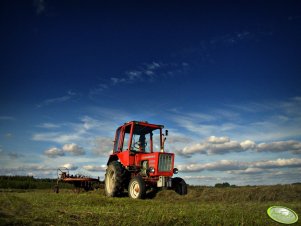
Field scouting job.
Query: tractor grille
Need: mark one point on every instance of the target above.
(165, 163)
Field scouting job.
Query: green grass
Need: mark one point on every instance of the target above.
(202, 206)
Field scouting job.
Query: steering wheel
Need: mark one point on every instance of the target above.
(137, 145)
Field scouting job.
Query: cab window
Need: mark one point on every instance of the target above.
(116, 140)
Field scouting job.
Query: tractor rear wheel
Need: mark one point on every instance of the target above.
(137, 189)
(179, 185)
(114, 179)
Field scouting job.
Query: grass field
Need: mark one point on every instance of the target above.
(202, 206)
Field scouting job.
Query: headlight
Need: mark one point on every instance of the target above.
(175, 170)
(150, 170)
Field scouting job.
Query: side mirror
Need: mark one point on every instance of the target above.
(166, 132)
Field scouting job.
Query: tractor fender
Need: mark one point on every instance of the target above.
(112, 158)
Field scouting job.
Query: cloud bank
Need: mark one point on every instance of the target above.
(241, 167)
(222, 145)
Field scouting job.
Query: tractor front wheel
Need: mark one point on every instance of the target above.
(179, 185)
(137, 189)
(114, 179)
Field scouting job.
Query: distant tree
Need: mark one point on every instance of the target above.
(226, 185)
(223, 185)
(218, 185)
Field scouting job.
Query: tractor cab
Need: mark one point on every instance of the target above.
(138, 136)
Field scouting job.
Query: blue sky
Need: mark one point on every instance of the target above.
(223, 77)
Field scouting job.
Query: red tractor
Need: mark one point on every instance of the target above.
(139, 162)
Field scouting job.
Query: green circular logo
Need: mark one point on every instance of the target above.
(282, 214)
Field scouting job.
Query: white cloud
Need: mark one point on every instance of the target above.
(79, 131)
(149, 73)
(218, 145)
(233, 38)
(89, 123)
(36, 167)
(29, 168)
(10, 155)
(222, 165)
(47, 125)
(74, 149)
(118, 80)
(54, 152)
(38, 170)
(248, 171)
(57, 100)
(279, 120)
(198, 124)
(200, 177)
(134, 75)
(97, 90)
(70, 166)
(153, 66)
(278, 163)
(6, 118)
(40, 6)
(195, 148)
(57, 137)
(146, 72)
(95, 168)
(248, 145)
(175, 137)
(103, 146)
(218, 140)
(192, 117)
(281, 146)
(9, 135)
(222, 145)
(83, 136)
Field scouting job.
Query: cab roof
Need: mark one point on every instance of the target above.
(141, 127)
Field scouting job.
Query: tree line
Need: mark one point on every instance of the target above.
(29, 182)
